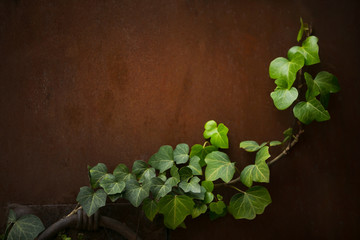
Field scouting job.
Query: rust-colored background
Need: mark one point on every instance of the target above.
(84, 82)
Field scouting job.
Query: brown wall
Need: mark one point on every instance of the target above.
(84, 82)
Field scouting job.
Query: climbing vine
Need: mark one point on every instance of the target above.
(181, 182)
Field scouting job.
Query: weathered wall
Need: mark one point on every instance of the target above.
(110, 81)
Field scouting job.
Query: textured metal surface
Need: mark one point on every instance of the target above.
(111, 81)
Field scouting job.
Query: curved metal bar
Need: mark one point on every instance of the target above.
(52, 231)
(82, 221)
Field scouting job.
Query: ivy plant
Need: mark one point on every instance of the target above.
(181, 182)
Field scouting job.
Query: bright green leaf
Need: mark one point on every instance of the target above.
(262, 155)
(136, 193)
(163, 159)
(208, 185)
(219, 166)
(301, 31)
(257, 173)
(26, 227)
(150, 208)
(327, 83)
(160, 188)
(112, 185)
(217, 207)
(251, 146)
(217, 134)
(311, 110)
(283, 97)
(209, 197)
(181, 153)
(191, 186)
(309, 50)
(275, 143)
(198, 210)
(247, 205)
(194, 165)
(282, 68)
(91, 201)
(175, 209)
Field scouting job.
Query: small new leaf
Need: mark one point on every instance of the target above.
(251, 146)
(198, 210)
(217, 134)
(283, 97)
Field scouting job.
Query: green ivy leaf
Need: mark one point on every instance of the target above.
(122, 172)
(198, 210)
(247, 205)
(284, 69)
(198, 196)
(194, 165)
(139, 166)
(160, 188)
(256, 172)
(191, 186)
(150, 208)
(219, 166)
(312, 90)
(201, 152)
(175, 209)
(163, 159)
(97, 173)
(217, 134)
(262, 155)
(309, 49)
(311, 110)
(162, 176)
(26, 227)
(181, 153)
(112, 185)
(251, 146)
(208, 185)
(209, 197)
(283, 97)
(275, 143)
(115, 197)
(136, 193)
(185, 173)
(301, 31)
(91, 201)
(327, 83)
(217, 207)
(287, 134)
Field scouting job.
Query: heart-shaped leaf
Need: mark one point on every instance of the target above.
(97, 173)
(283, 97)
(175, 209)
(112, 185)
(150, 208)
(198, 210)
(282, 68)
(135, 192)
(163, 159)
(160, 188)
(191, 186)
(26, 227)
(219, 166)
(247, 205)
(201, 152)
(217, 207)
(122, 172)
(91, 201)
(181, 153)
(309, 111)
(256, 172)
(194, 165)
(217, 134)
(309, 50)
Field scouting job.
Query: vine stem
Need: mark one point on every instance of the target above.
(77, 208)
(237, 189)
